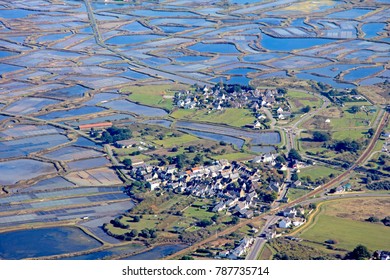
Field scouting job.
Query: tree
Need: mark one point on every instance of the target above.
(370, 132)
(359, 253)
(293, 154)
(127, 162)
(187, 258)
(319, 136)
(204, 223)
(133, 233)
(306, 109)
(235, 220)
(136, 219)
(354, 109)
(192, 149)
(294, 177)
(280, 159)
(372, 219)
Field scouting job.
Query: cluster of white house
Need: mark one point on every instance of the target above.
(208, 182)
(218, 100)
(292, 218)
(239, 250)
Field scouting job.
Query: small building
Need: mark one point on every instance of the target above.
(285, 223)
(247, 214)
(289, 212)
(386, 134)
(347, 187)
(269, 234)
(224, 254)
(219, 207)
(298, 222)
(274, 186)
(155, 184)
(95, 126)
(125, 144)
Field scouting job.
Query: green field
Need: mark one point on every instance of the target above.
(350, 120)
(348, 233)
(352, 134)
(230, 116)
(198, 213)
(147, 221)
(235, 156)
(155, 95)
(316, 172)
(170, 141)
(293, 193)
(298, 100)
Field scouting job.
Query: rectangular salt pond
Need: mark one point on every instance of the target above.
(29, 105)
(133, 39)
(115, 117)
(29, 130)
(283, 44)
(101, 97)
(127, 106)
(23, 169)
(51, 184)
(7, 53)
(326, 80)
(84, 142)
(216, 137)
(88, 164)
(67, 92)
(5, 68)
(73, 153)
(94, 177)
(85, 110)
(16, 13)
(214, 48)
(361, 73)
(350, 14)
(135, 27)
(33, 243)
(262, 138)
(23, 147)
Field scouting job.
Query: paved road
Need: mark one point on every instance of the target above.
(256, 248)
(260, 241)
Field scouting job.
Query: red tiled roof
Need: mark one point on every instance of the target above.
(93, 125)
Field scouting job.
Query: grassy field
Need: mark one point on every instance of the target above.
(198, 213)
(230, 116)
(298, 100)
(349, 233)
(316, 172)
(349, 120)
(352, 134)
(293, 193)
(170, 141)
(154, 95)
(235, 156)
(348, 227)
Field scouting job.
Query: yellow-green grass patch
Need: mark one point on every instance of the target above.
(349, 233)
(352, 134)
(316, 172)
(170, 141)
(235, 156)
(153, 95)
(294, 193)
(229, 116)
